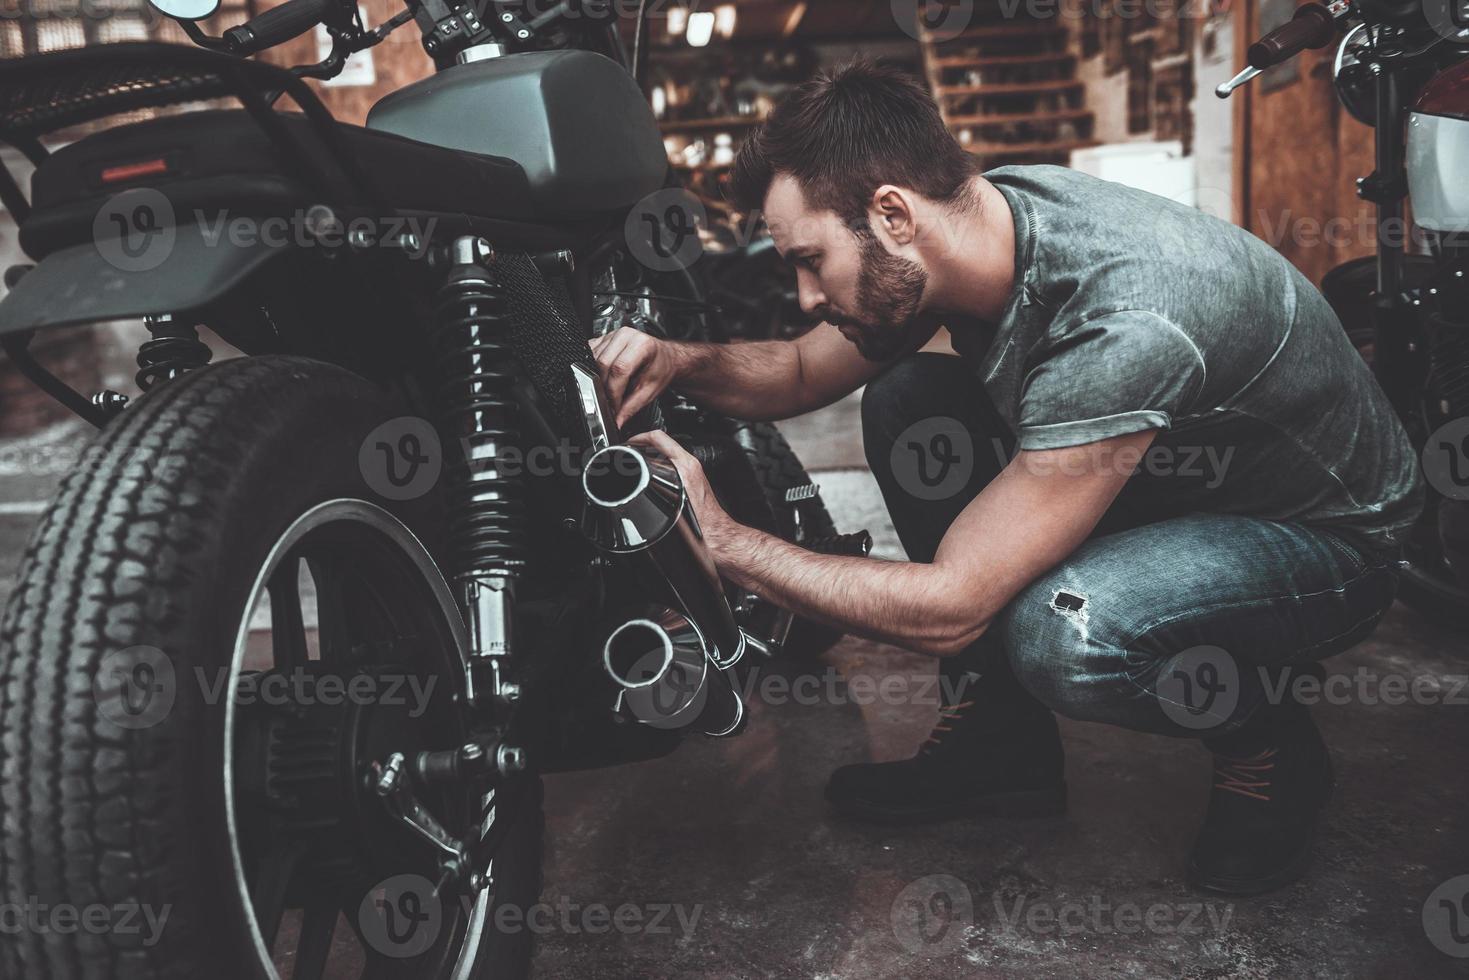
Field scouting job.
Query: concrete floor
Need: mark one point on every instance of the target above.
(729, 845)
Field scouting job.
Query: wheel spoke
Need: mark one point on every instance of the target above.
(372, 609)
(375, 966)
(332, 615)
(318, 926)
(287, 625)
(272, 882)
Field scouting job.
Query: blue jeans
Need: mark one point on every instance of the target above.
(1176, 624)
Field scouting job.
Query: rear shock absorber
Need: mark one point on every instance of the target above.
(476, 372)
(174, 349)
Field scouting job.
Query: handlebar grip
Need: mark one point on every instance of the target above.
(1313, 26)
(277, 25)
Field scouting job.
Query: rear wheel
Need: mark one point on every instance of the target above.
(219, 635)
(1428, 583)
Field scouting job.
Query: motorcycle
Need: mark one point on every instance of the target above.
(753, 287)
(1402, 67)
(298, 638)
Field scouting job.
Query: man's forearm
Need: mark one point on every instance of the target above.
(903, 603)
(1040, 509)
(759, 381)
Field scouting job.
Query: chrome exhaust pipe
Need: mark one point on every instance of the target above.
(637, 511)
(667, 677)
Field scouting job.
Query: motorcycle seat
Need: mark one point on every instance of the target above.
(217, 164)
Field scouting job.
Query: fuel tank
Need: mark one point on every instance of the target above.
(575, 121)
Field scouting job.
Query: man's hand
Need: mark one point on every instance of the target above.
(637, 368)
(720, 530)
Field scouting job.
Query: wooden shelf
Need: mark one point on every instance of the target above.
(1028, 44)
(1028, 149)
(701, 168)
(1061, 115)
(1010, 88)
(987, 31)
(1002, 60)
(726, 122)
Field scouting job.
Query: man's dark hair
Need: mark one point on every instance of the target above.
(847, 132)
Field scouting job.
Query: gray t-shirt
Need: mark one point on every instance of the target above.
(1133, 312)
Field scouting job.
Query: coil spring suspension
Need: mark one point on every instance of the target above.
(174, 349)
(476, 371)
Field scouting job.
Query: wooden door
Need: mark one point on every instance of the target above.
(1299, 154)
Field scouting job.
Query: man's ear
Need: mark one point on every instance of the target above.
(892, 210)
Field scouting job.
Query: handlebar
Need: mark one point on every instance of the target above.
(1313, 26)
(447, 29)
(277, 25)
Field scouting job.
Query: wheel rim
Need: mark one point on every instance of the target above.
(371, 575)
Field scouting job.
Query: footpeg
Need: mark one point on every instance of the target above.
(766, 620)
(858, 544)
(804, 492)
(794, 497)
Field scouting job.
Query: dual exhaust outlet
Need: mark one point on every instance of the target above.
(673, 664)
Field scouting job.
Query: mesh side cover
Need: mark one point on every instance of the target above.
(544, 335)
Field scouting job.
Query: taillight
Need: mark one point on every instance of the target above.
(132, 171)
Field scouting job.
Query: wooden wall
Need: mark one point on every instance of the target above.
(1302, 153)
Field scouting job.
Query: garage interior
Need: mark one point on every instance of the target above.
(732, 839)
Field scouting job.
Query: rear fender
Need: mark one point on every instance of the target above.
(179, 270)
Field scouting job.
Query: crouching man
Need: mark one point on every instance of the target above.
(1157, 483)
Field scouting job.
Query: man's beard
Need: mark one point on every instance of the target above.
(889, 293)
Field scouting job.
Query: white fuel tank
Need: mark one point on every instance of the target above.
(1438, 152)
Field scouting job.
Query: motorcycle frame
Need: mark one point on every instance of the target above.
(1401, 356)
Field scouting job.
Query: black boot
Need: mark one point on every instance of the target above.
(1271, 780)
(994, 752)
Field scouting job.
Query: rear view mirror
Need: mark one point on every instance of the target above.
(185, 9)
